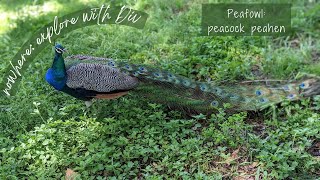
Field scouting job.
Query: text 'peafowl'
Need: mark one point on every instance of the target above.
(87, 77)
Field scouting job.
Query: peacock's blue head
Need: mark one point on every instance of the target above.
(59, 48)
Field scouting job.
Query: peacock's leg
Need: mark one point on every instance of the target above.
(88, 103)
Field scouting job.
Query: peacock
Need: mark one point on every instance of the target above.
(87, 77)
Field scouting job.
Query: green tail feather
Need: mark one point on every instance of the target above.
(188, 95)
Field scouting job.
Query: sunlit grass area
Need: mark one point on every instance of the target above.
(44, 132)
(8, 17)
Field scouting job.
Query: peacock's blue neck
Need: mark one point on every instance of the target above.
(58, 63)
(56, 75)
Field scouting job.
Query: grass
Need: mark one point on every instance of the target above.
(44, 132)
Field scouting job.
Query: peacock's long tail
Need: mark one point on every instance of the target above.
(194, 97)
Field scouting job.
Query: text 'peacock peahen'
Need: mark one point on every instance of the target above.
(87, 77)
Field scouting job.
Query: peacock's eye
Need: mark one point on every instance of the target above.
(59, 50)
(214, 103)
(170, 75)
(258, 93)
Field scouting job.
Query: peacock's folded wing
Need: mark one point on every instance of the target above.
(87, 80)
(99, 78)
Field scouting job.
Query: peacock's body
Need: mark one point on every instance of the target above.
(87, 77)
